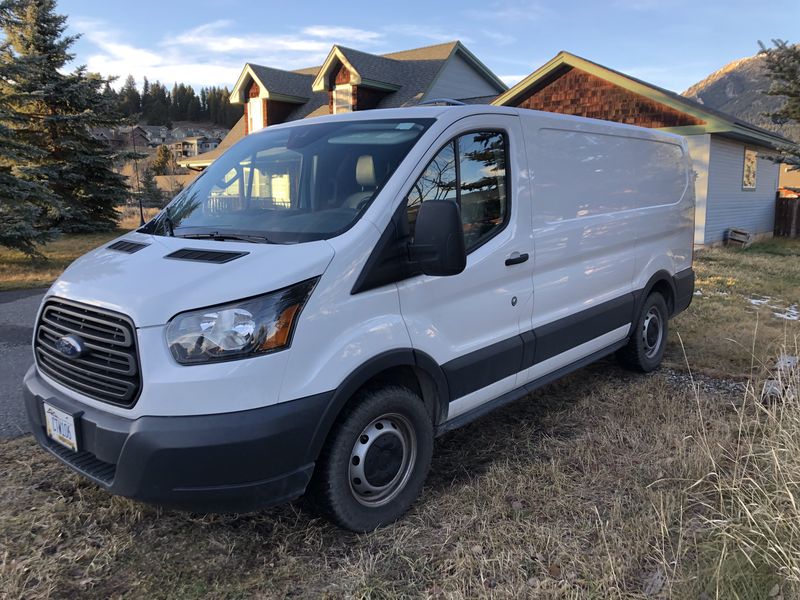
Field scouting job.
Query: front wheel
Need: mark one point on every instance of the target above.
(648, 340)
(375, 460)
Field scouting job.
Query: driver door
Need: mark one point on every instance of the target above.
(470, 323)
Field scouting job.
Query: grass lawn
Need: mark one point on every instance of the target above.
(605, 484)
(17, 271)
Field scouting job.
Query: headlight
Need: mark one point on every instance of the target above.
(238, 329)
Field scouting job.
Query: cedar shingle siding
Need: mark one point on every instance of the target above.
(576, 92)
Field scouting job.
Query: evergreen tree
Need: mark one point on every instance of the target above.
(28, 209)
(151, 195)
(155, 104)
(783, 68)
(163, 163)
(57, 112)
(130, 101)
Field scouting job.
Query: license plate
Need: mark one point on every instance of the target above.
(60, 427)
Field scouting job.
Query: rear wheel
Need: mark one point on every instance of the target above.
(375, 460)
(648, 340)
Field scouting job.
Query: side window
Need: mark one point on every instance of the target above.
(469, 170)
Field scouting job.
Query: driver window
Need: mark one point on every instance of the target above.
(471, 171)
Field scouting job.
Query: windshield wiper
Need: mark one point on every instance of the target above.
(170, 225)
(222, 236)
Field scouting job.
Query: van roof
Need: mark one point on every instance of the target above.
(457, 112)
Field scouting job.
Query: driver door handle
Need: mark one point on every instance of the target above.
(516, 258)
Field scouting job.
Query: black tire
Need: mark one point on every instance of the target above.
(648, 340)
(367, 474)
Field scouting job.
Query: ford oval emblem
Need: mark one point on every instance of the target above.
(71, 346)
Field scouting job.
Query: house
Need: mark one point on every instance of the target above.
(121, 137)
(735, 182)
(132, 137)
(193, 146)
(156, 134)
(351, 80)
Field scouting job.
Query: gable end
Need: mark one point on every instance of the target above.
(572, 91)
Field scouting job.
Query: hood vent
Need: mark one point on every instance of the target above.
(127, 246)
(209, 256)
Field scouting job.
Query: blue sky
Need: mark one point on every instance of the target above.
(672, 43)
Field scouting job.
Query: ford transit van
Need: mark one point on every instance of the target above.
(331, 294)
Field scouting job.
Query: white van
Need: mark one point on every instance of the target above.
(332, 294)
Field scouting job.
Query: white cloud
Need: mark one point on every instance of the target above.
(212, 53)
(362, 36)
(512, 80)
(500, 39)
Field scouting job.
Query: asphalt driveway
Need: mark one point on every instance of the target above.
(17, 314)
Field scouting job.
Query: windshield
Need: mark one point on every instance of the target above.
(293, 184)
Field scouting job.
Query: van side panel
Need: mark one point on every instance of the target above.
(665, 223)
(611, 207)
(583, 231)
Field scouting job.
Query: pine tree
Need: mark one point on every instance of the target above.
(130, 101)
(151, 195)
(28, 209)
(783, 68)
(163, 163)
(57, 112)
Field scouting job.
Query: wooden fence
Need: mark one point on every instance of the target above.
(787, 217)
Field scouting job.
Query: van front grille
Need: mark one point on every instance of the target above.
(107, 368)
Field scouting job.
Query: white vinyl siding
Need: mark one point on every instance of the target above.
(728, 205)
(458, 79)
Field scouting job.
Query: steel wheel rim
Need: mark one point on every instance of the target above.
(382, 460)
(652, 332)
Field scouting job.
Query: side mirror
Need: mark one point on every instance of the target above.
(438, 247)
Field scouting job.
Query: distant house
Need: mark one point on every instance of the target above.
(133, 137)
(351, 80)
(156, 134)
(121, 137)
(193, 146)
(735, 182)
(107, 135)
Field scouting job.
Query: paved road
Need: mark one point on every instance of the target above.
(17, 314)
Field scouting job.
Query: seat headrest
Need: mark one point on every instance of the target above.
(365, 170)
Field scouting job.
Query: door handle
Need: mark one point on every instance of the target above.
(516, 258)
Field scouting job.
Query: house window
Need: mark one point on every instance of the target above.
(255, 115)
(750, 168)
(470, 170)
(342, 99)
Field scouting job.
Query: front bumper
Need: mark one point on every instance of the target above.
(230, 462)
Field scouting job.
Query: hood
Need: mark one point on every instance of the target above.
(151, 289)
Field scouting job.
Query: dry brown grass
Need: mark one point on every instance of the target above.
(718, 329)
(17, 271)
(560, 496)
(603, 485)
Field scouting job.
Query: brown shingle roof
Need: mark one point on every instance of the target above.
(283, 82)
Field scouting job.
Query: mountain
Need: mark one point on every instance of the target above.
(737, 89)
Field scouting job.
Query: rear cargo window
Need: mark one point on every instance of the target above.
(469, 170)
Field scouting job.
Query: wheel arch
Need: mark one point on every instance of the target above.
(662, 282)
(407, 367)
